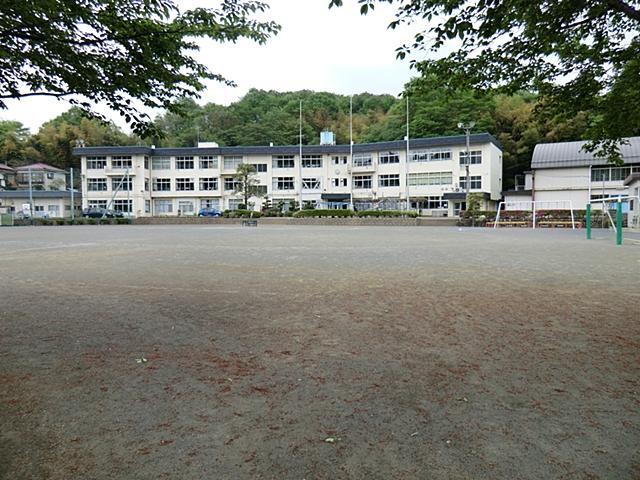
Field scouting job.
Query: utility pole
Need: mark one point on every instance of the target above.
(467, 130)
(73, 203)
(31, 212)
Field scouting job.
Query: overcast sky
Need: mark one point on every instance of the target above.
(335, 50)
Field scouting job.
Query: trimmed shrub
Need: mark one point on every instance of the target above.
(123, 221)
(241, 213)
(60, 221)
(386, 213)
(324, 212)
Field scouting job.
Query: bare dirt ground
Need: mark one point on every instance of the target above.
(318, 353)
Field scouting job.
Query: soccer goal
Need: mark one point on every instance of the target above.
(535, 214)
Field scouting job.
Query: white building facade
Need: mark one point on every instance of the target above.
(148, 181)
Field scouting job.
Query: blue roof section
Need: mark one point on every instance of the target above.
(414, 144)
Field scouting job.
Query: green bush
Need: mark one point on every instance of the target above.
(272, 212)
(241, 213)
(325, 212)
(92, 221)
(123, 221)
(60, 221)
(43, 221)
(386, 213)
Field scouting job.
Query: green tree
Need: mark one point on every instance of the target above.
(579, 56)
(122, 53)
(247, 182)
(13, 142)
(55, 140)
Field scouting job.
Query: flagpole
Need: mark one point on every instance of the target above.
(407, 162)
(300, 157)
(351, 150)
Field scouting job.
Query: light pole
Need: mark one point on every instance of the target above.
(467, 130)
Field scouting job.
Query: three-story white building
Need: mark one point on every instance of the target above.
(149, 181)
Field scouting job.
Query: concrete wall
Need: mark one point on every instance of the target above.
(398, 222)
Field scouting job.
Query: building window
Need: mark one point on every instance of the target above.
(161, 184)
(339, 182)
(620, 173)
(184, 163)
(231, 183)
(95, 204)
(146, 163)
(432, 203)
(161, 163)
(339, 159)
(123, 183)
(260, 167)
(124, 206)
(312, 161)
(147, 206)
(476, 182)
(311, 183)
(185, 206)
(389, 157)
(163, 206)
(433, 155)
(475, 155)
(283, 183)
(146, 184)
(209, 183)
(430, 178)
(97, 184)
(392, 180)
(209, 161)
(261, 190)
(362, 160)
(185, 184)
(210, 203)
(283, 161)
(121, 162)
(361, 181)
(232, 162)
(234, 203)
(95, 163)
(54, 210)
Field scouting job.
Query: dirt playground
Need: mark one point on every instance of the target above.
(280, 352)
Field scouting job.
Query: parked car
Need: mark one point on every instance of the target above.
(99, 212)
(209, 212)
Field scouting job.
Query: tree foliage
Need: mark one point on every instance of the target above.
(246, 182)
(122, 53)
(579, 56)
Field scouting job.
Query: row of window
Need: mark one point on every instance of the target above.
(284, 183)
(231, 162)
(612, 174)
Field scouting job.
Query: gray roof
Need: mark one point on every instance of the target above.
(414, 144)
(39, 194)
(570, 154)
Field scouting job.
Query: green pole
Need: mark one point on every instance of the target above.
(619, 224)
(588, 221)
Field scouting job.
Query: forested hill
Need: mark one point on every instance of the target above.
(262, 117)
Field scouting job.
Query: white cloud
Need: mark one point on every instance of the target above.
(335, 50)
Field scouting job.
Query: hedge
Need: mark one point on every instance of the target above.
(323, 212)
(387, 213)
(241, 213)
